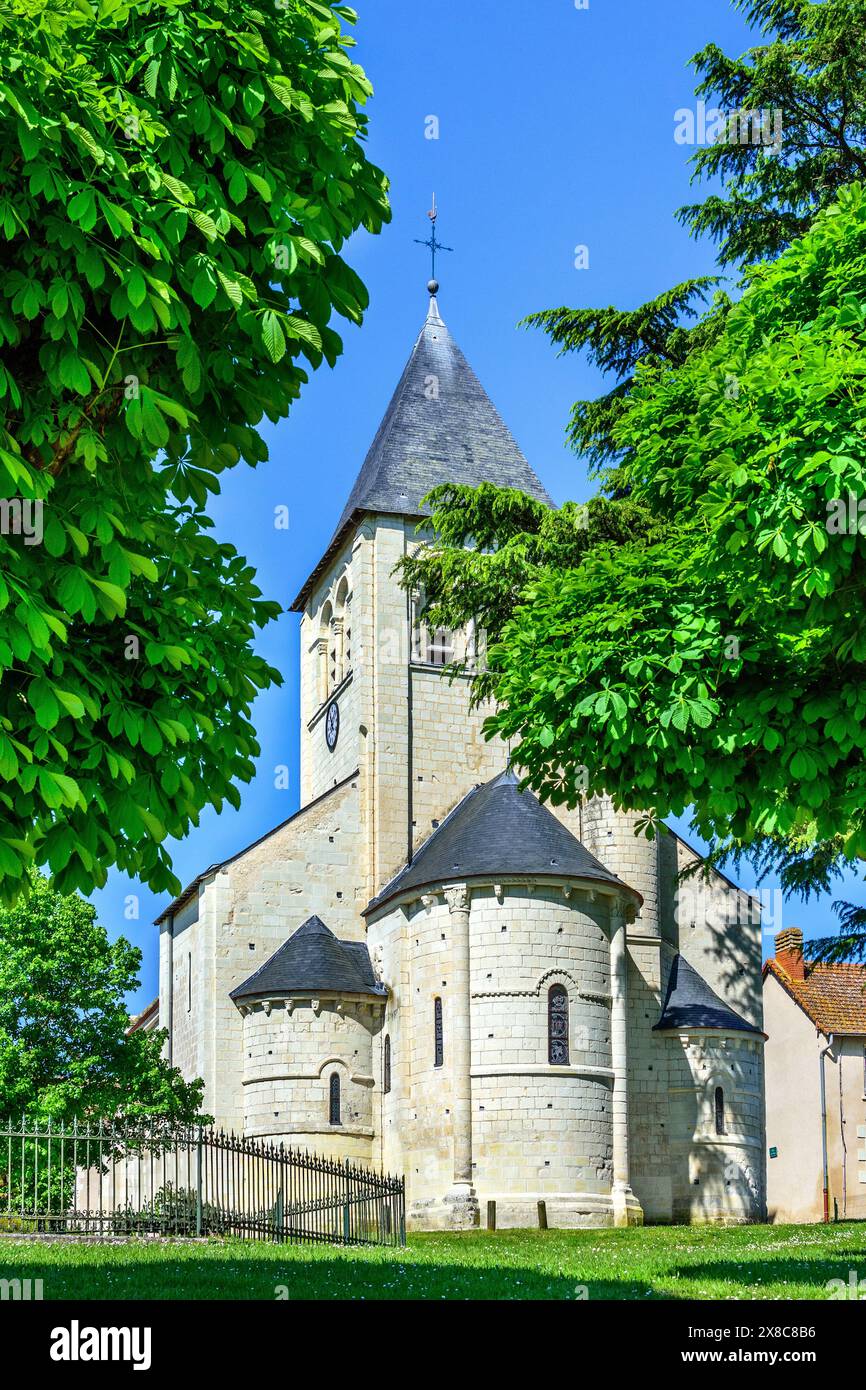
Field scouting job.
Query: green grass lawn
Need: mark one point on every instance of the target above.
(783, 1262)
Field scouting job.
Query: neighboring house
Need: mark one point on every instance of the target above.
(815, 1018)
(427, 970)
(147, 1020)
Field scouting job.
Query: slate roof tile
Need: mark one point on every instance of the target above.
(313, 958)
(448, 433)
(498, 830)
(690, 1003)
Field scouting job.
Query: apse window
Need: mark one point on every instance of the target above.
(386, 1064)
(557, 1026)
(720, 1111)
(438, 1047)
(334, 1108)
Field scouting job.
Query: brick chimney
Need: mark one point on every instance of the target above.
(789, 952)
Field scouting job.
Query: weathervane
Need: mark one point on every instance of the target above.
(434, 246)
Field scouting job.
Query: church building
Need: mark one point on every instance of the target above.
(428, 971)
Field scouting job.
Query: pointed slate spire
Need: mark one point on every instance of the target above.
(441, 426)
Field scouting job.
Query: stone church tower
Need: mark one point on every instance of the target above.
(425, 969)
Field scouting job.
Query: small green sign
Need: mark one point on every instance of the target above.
(774, 1153)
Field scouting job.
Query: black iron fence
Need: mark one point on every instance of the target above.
(146, 1177)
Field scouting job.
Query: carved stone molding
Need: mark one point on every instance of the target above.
(457, 897)
(588, 996)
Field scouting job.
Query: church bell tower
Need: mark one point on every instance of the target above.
(374, 698)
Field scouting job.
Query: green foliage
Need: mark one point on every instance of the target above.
(177, 180)
(716, 656)
(64, 1049)
(493, 543)
(811, 69)
(615, 341)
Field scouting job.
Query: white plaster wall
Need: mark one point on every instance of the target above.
(795, 1176)
(846, 1127)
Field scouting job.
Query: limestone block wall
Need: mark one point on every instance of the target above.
(186, 961)
(386, 715)
(537, 1129)
(251, 906)
(165, 999)
(540, 1128)
(327, 766)
(449, 754)
(319, 768)
(651, 1129)
(291, 1051)
(719, 930)
(388, 943)
(610, 836)
(716, 1177)
(417, 1113)
(646, 865)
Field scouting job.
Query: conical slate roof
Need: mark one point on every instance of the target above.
(312, 958)
(441, 426)
(690, 1003)
(497, 830)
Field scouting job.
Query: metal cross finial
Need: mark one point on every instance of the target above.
(434, 246)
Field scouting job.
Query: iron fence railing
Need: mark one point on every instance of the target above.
(115, 1177)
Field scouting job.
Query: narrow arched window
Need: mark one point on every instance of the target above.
(557, 1026)
(324, 645)
(438, 1043)
(335, 1099)
(386, 1064)
(720, 1111)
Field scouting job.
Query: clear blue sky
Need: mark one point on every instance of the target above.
(555, 130)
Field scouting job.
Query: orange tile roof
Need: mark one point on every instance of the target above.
(833, 996)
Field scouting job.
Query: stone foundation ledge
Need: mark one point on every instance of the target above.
(456, 1210)
(565, 1211)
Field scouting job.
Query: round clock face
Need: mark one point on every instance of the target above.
(332, 725)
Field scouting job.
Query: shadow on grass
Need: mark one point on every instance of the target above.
(811, 1277)
(507, 1266)
(275, 1278)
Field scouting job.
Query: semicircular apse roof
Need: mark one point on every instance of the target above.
(497, 830)
(312, 958)
(690, 1003)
